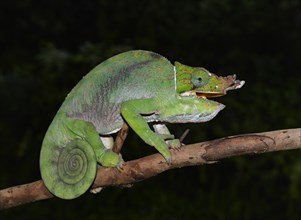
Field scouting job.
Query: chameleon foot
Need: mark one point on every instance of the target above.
(168, 160)
(120, 164)
(108, 159)
(174, 144)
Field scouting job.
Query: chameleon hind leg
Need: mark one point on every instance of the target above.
(86, 130)
(108, 142)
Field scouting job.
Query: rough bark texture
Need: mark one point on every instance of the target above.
(146, 167)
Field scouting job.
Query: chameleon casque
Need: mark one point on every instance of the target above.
(136, 87)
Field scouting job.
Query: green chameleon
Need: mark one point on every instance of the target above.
(136, 87)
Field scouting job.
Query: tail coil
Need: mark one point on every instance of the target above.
(74, 172)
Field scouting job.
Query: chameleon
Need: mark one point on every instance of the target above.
(136, 87)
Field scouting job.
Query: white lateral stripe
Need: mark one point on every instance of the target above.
(175, 77)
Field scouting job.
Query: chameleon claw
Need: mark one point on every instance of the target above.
(168, 161)
(120, 166)
(174, 144)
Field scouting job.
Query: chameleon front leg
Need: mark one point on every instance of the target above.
(131, 111)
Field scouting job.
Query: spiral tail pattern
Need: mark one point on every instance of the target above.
(74, 171)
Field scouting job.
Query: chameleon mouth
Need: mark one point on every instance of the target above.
(236, 84)
(203, 95)
(208, 94)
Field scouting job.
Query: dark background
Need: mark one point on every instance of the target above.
(47, 46)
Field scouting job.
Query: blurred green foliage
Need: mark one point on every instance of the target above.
(47, 46)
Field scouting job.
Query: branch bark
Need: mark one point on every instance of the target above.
(146, 167)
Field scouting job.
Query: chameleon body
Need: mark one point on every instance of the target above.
(136, 87)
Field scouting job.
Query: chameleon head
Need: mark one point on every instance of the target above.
(199, 82)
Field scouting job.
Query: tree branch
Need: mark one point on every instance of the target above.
(120, 138)
(146, 167)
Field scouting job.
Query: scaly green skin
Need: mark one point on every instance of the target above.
(136, 86)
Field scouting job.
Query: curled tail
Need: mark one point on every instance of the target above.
(68, 172)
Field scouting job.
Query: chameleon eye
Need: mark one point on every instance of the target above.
(197, 81)
(200, 77)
